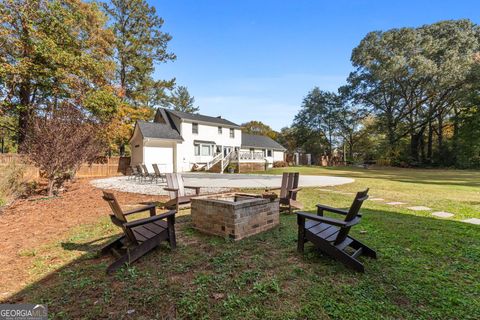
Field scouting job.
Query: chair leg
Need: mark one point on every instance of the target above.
(367, 251)
(114, 244)
(341, 256)
(133, 254)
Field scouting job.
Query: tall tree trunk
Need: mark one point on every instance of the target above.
(25, 113)
(440, 133)
(455, 134)
(430, 142)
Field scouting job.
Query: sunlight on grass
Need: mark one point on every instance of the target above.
(427, 268)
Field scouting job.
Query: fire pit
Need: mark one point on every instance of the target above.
(234, 215)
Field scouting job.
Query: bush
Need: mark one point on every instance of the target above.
(280, 164)
(12, 183)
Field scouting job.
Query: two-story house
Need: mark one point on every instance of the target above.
(180, 141)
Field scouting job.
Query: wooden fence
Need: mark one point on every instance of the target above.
(113, 166)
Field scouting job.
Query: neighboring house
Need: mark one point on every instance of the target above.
(180, 141)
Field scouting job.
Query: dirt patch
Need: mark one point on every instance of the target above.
(28, 224)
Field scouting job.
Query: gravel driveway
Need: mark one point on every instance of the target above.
(215, 182)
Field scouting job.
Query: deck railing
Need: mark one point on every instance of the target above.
(249, 155)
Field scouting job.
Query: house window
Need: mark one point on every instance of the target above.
(197, 149)
(195, 128)
(232, 133)
(219, 130)
(205, 150)
(269, 153)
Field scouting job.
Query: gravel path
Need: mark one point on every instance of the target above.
(212, 183)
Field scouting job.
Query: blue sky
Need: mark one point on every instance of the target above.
(256, 60)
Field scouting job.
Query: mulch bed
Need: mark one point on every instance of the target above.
(33, 222)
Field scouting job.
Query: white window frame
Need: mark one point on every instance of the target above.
(220, 130)
(194, 128)
(203, 147)
(232, 133)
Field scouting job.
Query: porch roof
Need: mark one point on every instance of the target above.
(257, 141)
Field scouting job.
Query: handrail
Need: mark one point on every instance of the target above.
(226, 160)
(214, 161)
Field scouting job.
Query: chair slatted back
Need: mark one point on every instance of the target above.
(289, 181)
(134, 170)
(352, 214)
(156, 169)
(139, 169)
(145, 169)
(175, 181)
(118, 217)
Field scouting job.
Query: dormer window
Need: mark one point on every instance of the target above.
(232, 133)
(219, 130)
(195, 128)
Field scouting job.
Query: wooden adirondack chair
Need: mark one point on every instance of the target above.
(331, 235)
(289, 190)
(176, 189)
(140, 236)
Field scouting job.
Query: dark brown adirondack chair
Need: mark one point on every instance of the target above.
(331, 235)
(176, 190)
(289, 190)
(140, 236)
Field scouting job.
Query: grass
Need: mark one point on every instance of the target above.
(427, 268)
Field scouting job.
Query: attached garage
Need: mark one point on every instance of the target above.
(155, 143)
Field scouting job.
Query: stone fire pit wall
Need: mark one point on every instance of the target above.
(234, 216)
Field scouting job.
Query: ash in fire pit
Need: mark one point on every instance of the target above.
(234, 215)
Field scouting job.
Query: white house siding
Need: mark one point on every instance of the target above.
(186, 151)
(136, 146)
(161, 152)
(278, 155)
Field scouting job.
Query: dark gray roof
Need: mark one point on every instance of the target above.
(256, 141)
(202, 118)
(158, 130)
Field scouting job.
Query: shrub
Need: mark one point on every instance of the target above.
(12, 182)
(280, 164)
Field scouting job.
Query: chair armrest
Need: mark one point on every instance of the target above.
(272, 189)
(197, 189)
(331, 221)
(171, 189)
(145, 208)
(330, 209)
(294, 189)
(140, 222)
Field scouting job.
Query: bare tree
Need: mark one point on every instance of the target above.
(60, 141)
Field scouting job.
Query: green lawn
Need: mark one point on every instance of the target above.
(426, 268)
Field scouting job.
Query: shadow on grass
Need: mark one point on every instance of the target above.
(425, 267)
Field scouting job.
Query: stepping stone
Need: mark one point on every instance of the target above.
(442, 214)
(376, 199)
(395, 203)
(472, 221)
(419, 208)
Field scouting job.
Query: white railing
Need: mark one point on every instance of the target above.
(249, 155)
(214, 161)
(226, 160)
